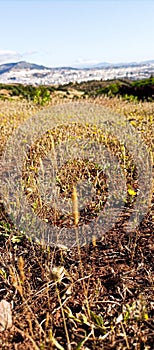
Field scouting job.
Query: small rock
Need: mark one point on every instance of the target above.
(5, 315)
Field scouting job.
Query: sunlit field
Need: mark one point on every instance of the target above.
(97, 291)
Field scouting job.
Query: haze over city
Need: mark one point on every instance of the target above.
(76, 33)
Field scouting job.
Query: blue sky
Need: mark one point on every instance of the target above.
(62, 33)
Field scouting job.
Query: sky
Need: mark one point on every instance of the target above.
(74, 33)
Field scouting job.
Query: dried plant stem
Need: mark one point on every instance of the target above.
(82, 270)
(76, 220)
(65, 325)
(75, 206)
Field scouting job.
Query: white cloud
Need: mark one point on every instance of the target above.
(29, 53)
(7, 56)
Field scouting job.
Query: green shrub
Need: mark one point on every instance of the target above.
(42, 96)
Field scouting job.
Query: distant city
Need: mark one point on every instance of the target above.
(28, 73)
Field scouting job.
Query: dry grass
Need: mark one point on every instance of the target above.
(95, 296)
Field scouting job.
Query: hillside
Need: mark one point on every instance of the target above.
(125, 88)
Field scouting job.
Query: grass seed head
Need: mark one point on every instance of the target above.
(75, 206)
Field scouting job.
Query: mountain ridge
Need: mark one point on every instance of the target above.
(27, 65)
(5, 67)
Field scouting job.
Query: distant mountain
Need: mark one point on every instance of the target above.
(30, 73)
(6, 67)
(20, 65)
(147, 62)
(30, 66)
(116, 65)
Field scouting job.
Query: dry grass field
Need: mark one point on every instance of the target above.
(97, 295)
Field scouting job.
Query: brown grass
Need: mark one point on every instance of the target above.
(95, 296)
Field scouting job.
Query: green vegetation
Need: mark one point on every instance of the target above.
(110, 90)
(140, 90)
(39, 95)
(130, 90)
(42, 96)
(144, 82)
